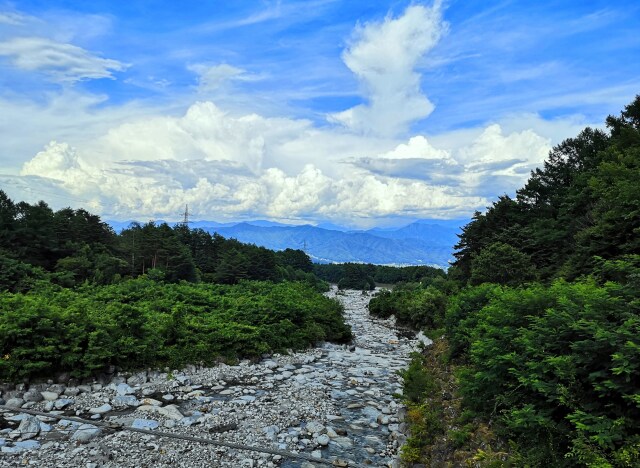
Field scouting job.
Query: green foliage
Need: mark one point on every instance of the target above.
(77, 247)
(362, 274)
(554, 366)
(426, 428)
(296, 259)
(461, 316)
(356, 276)
(583, 203)
(417, 382)
(17, 276)
(502, 264)
(144, 322)
(413, 305)
(560, 366)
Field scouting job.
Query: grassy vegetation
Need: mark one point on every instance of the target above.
(145, 323)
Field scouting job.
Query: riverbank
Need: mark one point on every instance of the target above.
(333, 402)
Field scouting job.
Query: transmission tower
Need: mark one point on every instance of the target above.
(185, 219)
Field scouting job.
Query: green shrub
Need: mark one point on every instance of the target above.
(144, 322)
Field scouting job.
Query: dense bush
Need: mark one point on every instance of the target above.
(140, 323)
(413, 305)
(560, 367)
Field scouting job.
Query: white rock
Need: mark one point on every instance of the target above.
(15, 402)
(85, 433)
(50, 396)
(152, 402)
(169, 411)
(124, 389)
(101, 409)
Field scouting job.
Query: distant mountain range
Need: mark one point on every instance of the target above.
(424, 242)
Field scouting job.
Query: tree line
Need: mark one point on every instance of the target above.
(540, 314)
(76, 297)
(365, 276)
(70, 247)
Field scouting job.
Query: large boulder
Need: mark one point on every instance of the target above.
(85, 433)
(29, 428)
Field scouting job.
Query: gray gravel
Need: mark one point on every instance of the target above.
(331, 402)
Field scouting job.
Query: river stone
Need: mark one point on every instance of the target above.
(125, 400)
(137, 379)
(32, 395)
(145, 424)
(152, 402)
(323, 439)
(123, 389)
(28, 444)
(343, 442)
(383, 419)
(271, 432)
(72, 391)
(315, 427)
(101, 409)
(169, 411)
(29, 428)
(50, 396)
(15, 402)
(334, 417)
(14, 449)
(85, 433)
(62, 403)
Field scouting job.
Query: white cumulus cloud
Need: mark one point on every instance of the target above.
(238, 167)
(383, 56)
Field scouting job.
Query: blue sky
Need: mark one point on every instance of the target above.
(360, 113)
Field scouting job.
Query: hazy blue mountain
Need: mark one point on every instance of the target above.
(440, 233)
(118, 226)
(417, 243)
(424, 242)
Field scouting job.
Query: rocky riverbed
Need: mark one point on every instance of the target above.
(331, 402)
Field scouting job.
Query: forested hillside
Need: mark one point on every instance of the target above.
(539, 364)
(70, 247)
(75, 297)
